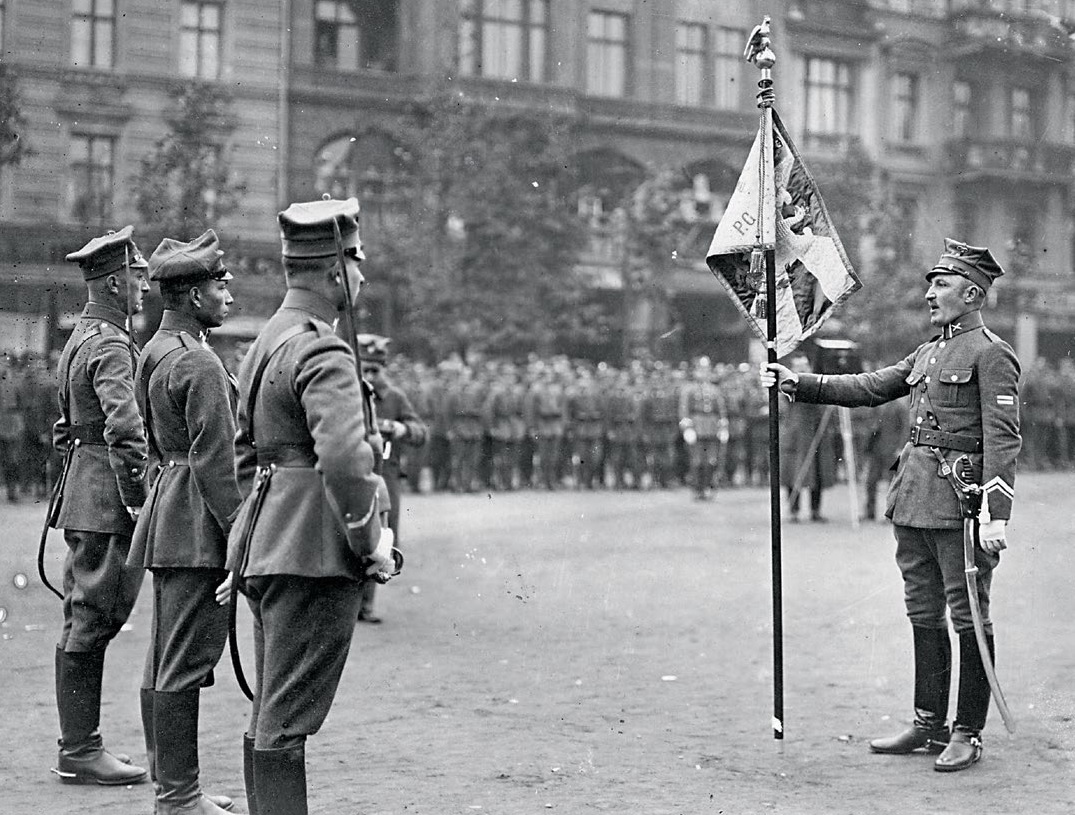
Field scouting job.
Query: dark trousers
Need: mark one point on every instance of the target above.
(189, 629)
(302, 634)
(99, 589)
(931, 561)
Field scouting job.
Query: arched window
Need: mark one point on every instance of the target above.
(370, 167)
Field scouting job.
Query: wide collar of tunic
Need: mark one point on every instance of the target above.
(961, 325)
(179, 321)
(100, 311)
(312, 303)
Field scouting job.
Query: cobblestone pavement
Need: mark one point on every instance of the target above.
(580, 653)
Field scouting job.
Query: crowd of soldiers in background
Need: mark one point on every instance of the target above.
(559, 424)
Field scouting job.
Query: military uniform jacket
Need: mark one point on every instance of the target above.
(321, 512)
(964, 381)
(702, 404)
(392, 403)
(98, 409)
(189, 407)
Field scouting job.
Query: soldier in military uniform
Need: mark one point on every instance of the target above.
(399, 425)
(103, 439)
(586, 417)
(503, 417)
(188, 401)
(12, 426)
(463, 411)
(704, 423)
(546, 419)
(963, 385)
(310, 529)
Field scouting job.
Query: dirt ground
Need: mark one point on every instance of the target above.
(577, 653)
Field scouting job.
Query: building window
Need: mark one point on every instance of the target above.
(690, 64)
(906, 216)
(966, 220)
(607, 54)
(905, 106)
(335, 35)
(504, 39)
(1020, 116)
(962, 112)
(728, 67)
(92, 33)
(200, 39)
(828, 97)
(351, 35)
(1069, 120)
(91, 178)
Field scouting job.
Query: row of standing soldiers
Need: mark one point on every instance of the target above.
(501, 426)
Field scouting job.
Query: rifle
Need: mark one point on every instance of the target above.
(369, 412)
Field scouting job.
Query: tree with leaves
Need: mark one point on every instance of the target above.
(886, 318)
(485, 245)
(185, 183)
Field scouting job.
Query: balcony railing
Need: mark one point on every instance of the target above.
(978, 25)
(1018, 160)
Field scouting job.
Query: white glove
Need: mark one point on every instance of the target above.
(223, 591)
(382, 556)
(991, 536)
(773, 373)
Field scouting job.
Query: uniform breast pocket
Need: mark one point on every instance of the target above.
(956, 387)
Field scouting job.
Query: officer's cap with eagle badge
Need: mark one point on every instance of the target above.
(975, 263)
(374, 347)
(199, 259)
(306, 231)
(108, 254)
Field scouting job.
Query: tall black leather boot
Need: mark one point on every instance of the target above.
(933, 677)
(175, 730)
(248, 775)
(82, 757)
(965, 748)
(280, 781)
(145, 704)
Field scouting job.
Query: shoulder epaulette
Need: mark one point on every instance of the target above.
(189, 342)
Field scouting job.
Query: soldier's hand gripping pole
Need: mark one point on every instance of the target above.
(959, 475)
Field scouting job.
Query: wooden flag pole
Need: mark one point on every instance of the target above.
(759, 51)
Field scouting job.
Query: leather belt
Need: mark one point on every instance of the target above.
(931, 437)
(286, 456)
(88, 434)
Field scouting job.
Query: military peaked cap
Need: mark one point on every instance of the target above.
(374, 347)
(199, 259)
(108, 254)
(306, 229)
(976, 263)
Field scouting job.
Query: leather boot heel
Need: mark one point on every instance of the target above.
(962, 751)
(932, 740)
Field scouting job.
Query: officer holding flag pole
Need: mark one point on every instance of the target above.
(951, 498)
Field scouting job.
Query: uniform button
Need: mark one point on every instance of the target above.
(932, 360)
(927, 379)
(943, 344)
(954, 377)
(919, 420)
